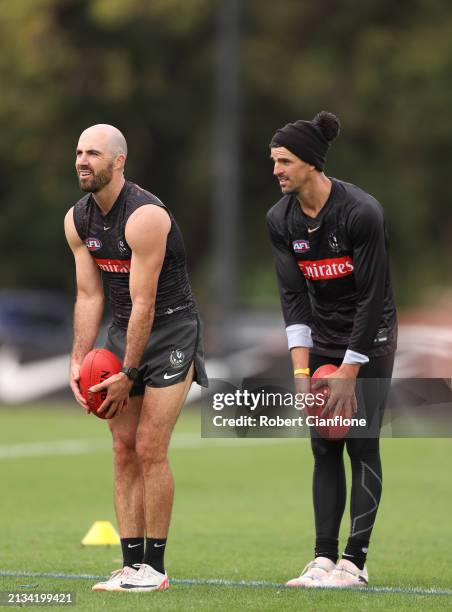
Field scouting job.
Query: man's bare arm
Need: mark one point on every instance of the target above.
(146, 233)
(89, 304)
(300, 361)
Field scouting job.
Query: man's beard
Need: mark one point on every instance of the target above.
(289, 191)
(96, 182)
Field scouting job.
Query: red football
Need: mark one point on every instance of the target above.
(332, 432)
(98, 365)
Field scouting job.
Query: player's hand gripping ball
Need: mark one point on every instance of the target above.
(330, 432)
(97, 366)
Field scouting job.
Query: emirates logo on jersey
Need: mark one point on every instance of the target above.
(121, 266)
(327, 269)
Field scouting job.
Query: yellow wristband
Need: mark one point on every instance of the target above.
(306, 371)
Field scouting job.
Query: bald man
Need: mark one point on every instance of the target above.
(124, 237)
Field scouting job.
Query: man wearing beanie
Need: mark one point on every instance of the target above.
(331, 253)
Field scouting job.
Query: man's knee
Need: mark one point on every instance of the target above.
(324, 449)
(363, 448)
(124, 448)
(151, 449)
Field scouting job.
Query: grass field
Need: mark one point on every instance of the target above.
(242, 513)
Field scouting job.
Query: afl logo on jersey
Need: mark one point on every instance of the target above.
(93, 244)
(300, 246)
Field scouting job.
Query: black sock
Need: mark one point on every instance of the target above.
(132, 550)
(327, 547)
(356, 552)
(155, 552)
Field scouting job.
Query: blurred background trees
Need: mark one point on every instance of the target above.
(149, 68)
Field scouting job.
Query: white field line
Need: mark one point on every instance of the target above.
(230, 583)
(86, 446)
(59, 447)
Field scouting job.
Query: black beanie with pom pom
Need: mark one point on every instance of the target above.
(309, 140)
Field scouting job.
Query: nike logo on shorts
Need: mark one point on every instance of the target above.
(167, 376)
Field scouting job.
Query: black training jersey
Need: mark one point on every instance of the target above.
(104, 236)
(333, 271)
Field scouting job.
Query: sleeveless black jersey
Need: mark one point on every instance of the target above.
(104, 236)
(333, 272)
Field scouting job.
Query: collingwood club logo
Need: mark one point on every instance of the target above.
(334, 242)
(176, 358)
(123, 248)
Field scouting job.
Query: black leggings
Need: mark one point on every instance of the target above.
(329, 486)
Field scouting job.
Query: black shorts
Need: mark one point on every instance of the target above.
(173, 346)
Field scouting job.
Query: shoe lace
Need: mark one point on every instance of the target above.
(342, 572)
(311, 565)
(116, 573)
(140, 568)
(144, 570)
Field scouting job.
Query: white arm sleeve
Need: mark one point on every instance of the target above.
(299, 335)
(354, 358)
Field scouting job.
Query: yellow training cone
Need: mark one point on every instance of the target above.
(101, 533)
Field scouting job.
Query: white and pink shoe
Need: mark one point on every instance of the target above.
(345, 574)
(116, 579)
(313, 574)
(144, 580)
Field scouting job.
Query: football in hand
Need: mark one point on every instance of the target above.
(97, 366)
(331, 432)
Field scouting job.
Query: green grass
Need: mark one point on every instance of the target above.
(242, 512)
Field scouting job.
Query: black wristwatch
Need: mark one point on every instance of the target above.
(131, 373)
